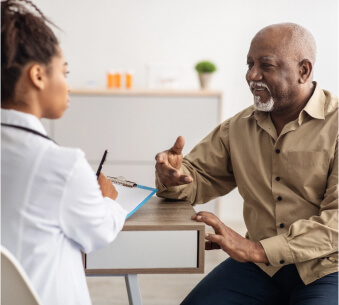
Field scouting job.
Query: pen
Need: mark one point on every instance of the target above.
(101, 163)
(122, 181)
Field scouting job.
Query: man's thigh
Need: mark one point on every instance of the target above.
(321, 292)
(235, 283)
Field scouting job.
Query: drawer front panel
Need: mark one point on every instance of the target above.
(148, 249)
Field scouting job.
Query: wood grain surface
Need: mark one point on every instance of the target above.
(159, 215)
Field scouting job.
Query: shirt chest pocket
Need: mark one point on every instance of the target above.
(308, 171)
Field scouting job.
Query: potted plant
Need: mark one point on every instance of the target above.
(205, 69)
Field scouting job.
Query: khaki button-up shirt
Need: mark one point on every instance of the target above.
(289, 182)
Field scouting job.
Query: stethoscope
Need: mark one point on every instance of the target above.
(28, 130)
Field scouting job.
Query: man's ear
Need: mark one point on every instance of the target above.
(305, 71)
(37, 75)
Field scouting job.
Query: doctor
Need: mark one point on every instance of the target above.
(52, 206)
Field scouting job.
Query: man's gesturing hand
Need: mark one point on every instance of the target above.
(169, 163)
(236, 246)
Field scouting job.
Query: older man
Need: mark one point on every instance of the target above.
(282, 154)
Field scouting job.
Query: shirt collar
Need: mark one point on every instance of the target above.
(315, 105)
(250, 114)
(256, 114)
(13, 117)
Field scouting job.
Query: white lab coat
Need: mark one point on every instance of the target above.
(51, 208)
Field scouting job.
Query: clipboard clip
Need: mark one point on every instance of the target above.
(122, 181)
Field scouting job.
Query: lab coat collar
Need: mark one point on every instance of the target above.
(14, 117)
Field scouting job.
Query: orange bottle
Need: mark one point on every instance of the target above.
(129, 79)
(117, 80)
(110, 79)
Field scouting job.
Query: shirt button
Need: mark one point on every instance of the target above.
(279, 198)
(277, 151)
(267, 264)
(277, 178)
(282, 262)
(282, 225)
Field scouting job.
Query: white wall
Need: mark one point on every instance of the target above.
(128, 34)
(103, 34)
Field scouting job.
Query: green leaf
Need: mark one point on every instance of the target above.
(205, 67)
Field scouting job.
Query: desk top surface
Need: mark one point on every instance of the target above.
(160, 214)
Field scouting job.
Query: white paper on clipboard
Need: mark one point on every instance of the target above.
(133, 198)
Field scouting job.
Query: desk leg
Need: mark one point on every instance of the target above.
(133, 290)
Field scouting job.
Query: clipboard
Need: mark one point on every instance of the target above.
(131, 196)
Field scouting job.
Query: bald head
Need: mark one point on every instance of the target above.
(294, 40)
(280, 67)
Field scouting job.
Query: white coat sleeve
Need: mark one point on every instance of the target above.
(86, 216)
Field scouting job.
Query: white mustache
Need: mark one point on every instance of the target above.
(253, 85)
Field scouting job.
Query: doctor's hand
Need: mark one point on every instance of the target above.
(236, 246)
(107, 188)
(169, 163)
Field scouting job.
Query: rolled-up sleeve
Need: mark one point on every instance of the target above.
(85, 215)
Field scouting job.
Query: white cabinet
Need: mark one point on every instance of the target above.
(134, 126)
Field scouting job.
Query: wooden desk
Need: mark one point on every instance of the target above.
(158, 238)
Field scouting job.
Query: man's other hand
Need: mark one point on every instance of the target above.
(169, 163)
(236, 246)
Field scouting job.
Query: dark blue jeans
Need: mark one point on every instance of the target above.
(233, 283)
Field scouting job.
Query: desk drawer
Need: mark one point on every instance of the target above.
(138, 250)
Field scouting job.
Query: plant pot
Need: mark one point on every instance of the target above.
(204, 79)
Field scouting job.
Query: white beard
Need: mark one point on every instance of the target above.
(266, 107)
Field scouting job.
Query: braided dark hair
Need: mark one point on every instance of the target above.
(25, 37)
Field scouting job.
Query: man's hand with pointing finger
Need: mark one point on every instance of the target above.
(169, 163)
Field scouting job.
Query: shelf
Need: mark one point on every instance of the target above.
(144, 92)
